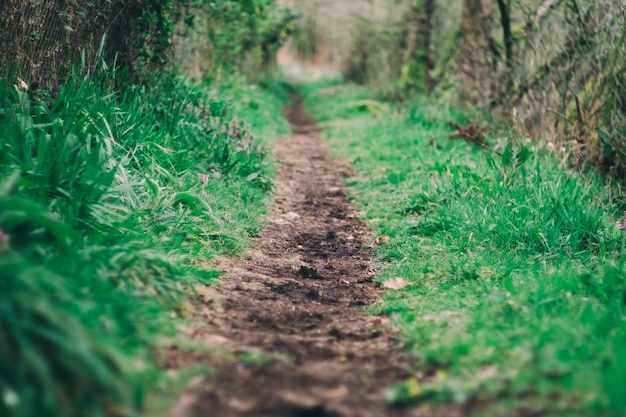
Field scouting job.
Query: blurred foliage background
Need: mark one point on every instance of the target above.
(554, 68)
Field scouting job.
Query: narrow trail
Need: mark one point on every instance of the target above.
(295, 308)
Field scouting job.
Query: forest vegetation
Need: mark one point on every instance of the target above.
(487, 140)
(553, 68)
(487, 143)
(120, 181)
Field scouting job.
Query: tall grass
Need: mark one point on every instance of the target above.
(113, 197)
(515, 270)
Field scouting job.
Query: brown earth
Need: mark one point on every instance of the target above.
(288, 326)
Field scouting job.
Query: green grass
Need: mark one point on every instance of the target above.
(113, 200)
(517, 295)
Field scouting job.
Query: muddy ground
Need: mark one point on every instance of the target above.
(287, 326)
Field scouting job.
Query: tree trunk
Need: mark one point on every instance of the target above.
(505, 20)
(477, 53)
(417, 59)
(506, 84)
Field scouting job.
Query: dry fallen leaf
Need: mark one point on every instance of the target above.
(292, 216)
(396, 283)
(381, 239)
(382, 321)
(338, 392)
(214, 339)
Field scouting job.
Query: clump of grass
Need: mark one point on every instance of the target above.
(113, 198)
(517, 267)
(326, 110)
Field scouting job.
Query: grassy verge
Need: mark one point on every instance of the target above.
(509, 273)
(113, 198)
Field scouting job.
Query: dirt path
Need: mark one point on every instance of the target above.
(295, 308)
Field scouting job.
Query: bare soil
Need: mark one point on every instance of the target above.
(288, 326)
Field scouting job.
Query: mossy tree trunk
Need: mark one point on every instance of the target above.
(417, 59)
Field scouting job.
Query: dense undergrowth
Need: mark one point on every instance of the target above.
(513, 273)
(113, 197)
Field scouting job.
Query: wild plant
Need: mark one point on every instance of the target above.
(112, 199)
